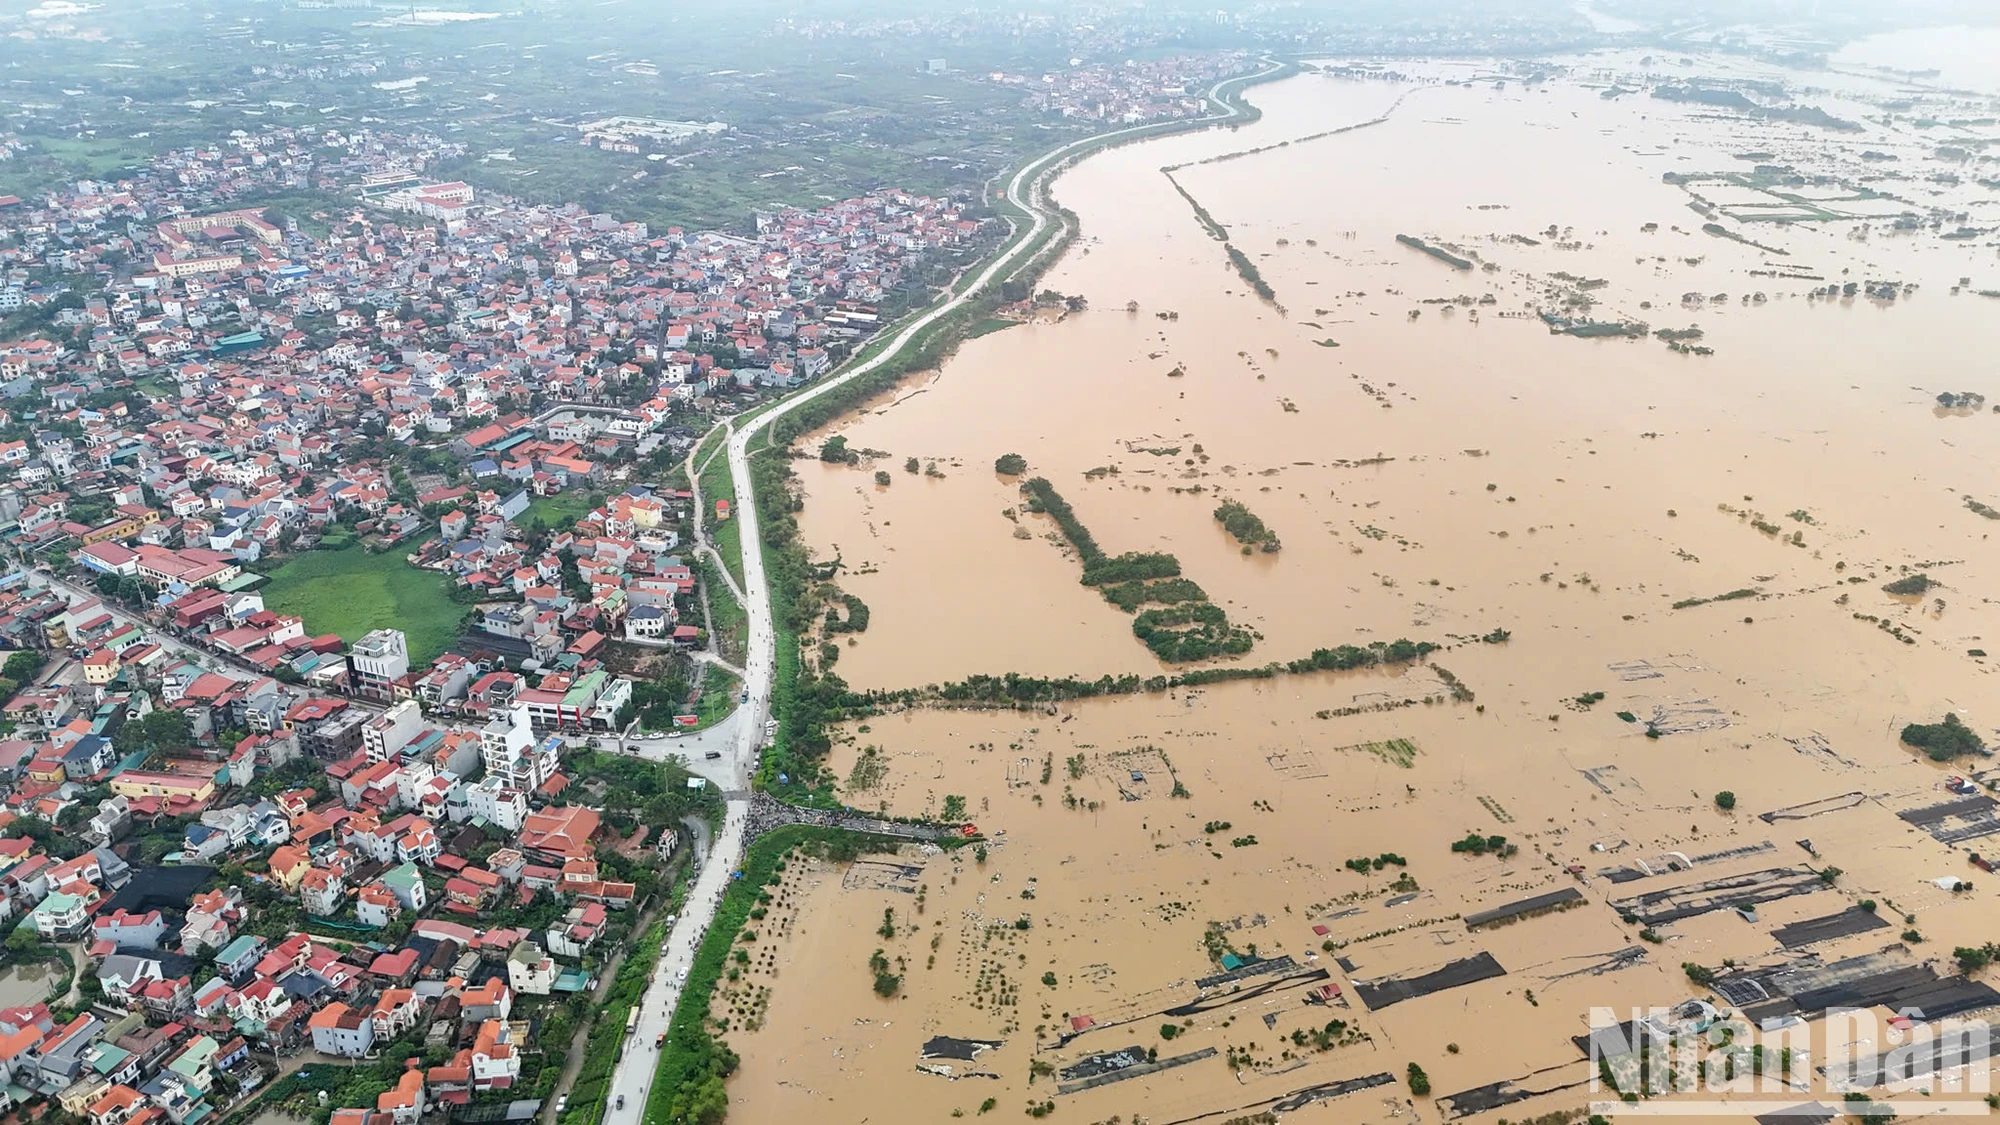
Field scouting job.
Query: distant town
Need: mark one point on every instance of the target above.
(244, 830)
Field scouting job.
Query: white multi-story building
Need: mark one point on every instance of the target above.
(498, 803)
(386, 734)
(378, 660)
(508, 748)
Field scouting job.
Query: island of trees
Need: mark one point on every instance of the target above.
(1438, 252)
(1186, 627)
(1248, 269)
(1941, 742)
(1244, 526)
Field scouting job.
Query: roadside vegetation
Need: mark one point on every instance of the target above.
(689, 1084)
(588, 1094)
(806, 698)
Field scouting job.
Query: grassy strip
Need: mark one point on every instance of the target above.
(714, 485)
(719, 694)
(1215, 229)
(1099, 569)
(725, 614)
(688, 1087)
(708, 447)
(802, 703)
(1015, 690)
(592, 1088)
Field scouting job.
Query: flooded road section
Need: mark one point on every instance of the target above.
(1655, 567)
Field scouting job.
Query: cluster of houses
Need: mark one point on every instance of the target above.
(219, 385)
(426, 326)
(195, 977)
(628, 579)
(1132, 92)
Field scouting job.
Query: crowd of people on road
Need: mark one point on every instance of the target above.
(768, 813)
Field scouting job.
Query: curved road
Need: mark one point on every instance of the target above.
(631, 1082)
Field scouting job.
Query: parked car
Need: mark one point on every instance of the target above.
(621, 1101)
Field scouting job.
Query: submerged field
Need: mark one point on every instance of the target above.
(351, 592)
(1660, 495)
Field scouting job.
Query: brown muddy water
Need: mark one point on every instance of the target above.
(1437, 475)
(25, 983)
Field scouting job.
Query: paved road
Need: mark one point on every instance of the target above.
(219, 663)
(633, 1078)
(634, 1074)
(725, 772)
(213, 662)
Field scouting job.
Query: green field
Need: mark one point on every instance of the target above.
(728, 542)
(559, 512)
(350, 592)
(719, 694)
(727, 621)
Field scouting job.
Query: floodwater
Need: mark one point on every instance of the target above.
(1451, 468)
(1961, 56)
(1815, 406)
(24, 983)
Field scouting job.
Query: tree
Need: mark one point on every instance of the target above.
(834, 451)
(1420, 1083)
(1725, 800)
(954, 808)
(1010, 465)
(164, 729)
(1942, 742)
(882, 478)
(22, 666)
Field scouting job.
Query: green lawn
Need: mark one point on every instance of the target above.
(716, 485)
(559, 511)
(350, 592)
(730, 624)
(719, 694)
